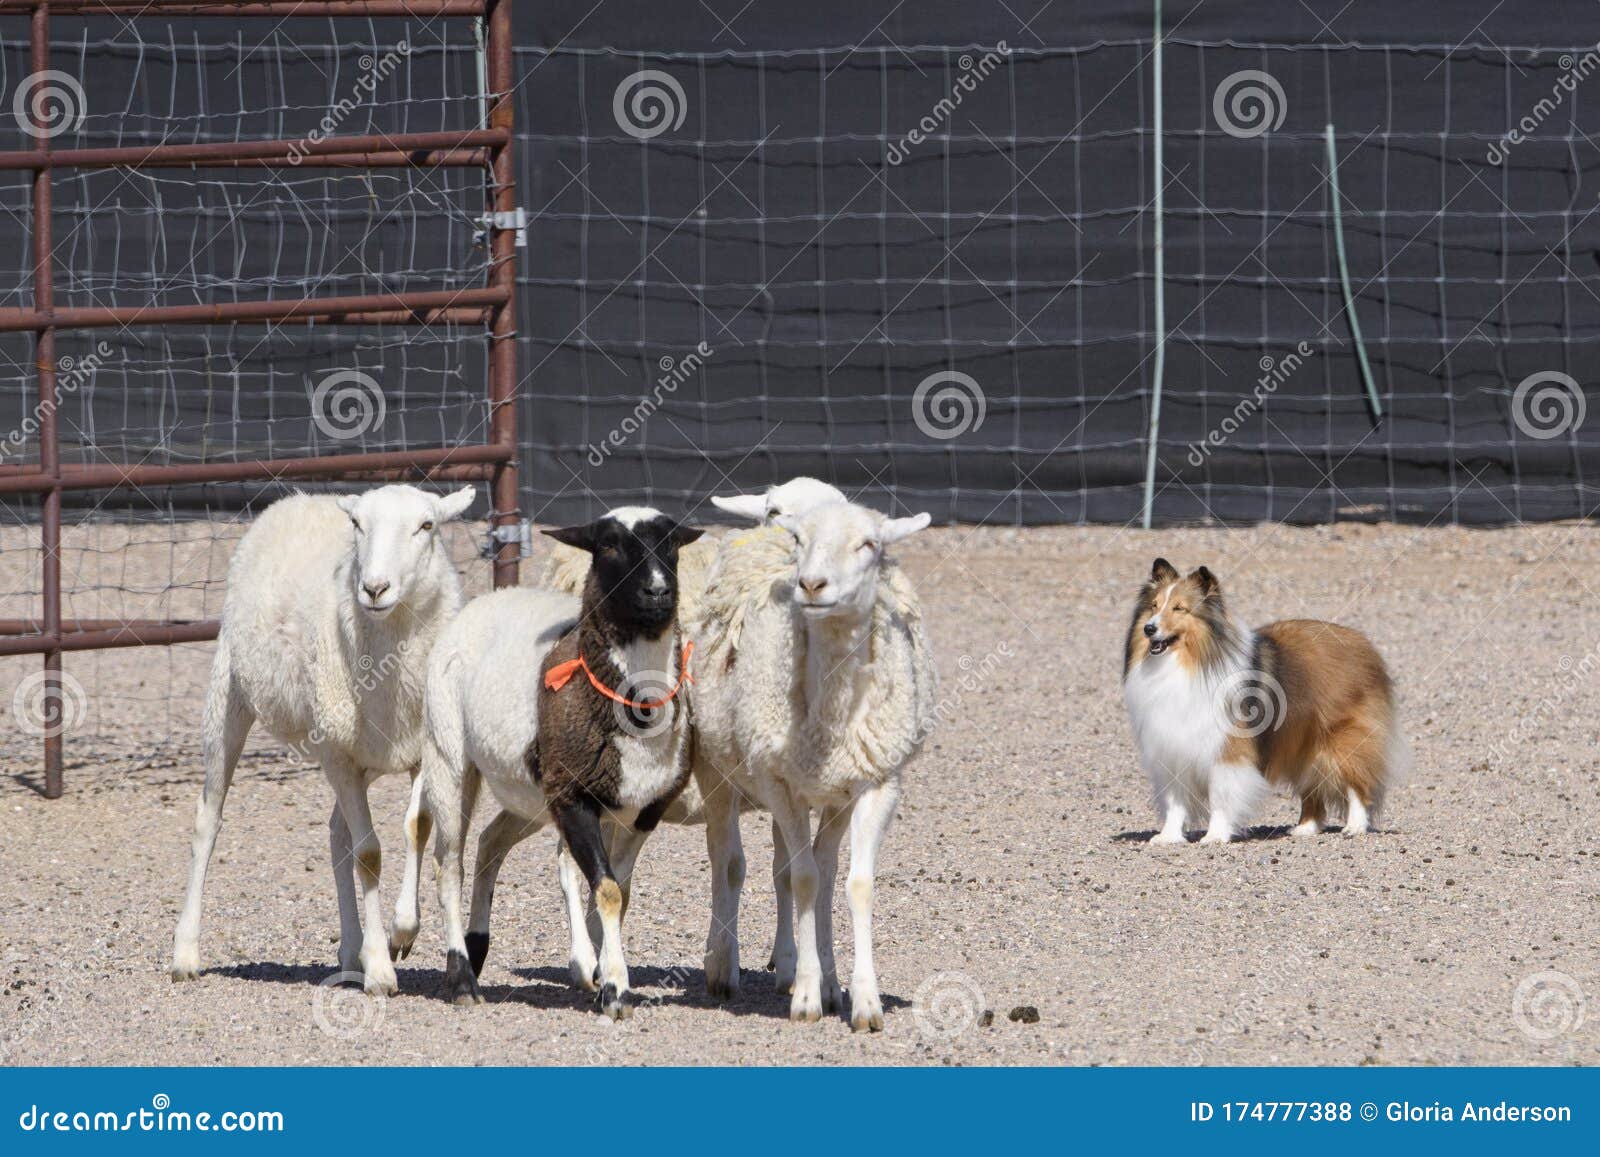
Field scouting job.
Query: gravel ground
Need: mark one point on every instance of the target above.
(1015, 878)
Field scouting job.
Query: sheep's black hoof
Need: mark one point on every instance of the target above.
(616, 1006)
(460, 985)
(477, 950)
(772, 964)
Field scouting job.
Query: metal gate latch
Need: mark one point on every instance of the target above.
(520, 532)
(510, 219)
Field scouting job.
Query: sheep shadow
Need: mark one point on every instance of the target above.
(686, 988)
(550, 988)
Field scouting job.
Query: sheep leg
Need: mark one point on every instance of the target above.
(727, 878)
(783, 953)
(344, 886)
(227, 722)
(502, 833)
(795, 819)
(831, 826)
(407, 907)
(869, 820)
(580, 829)
(452, 817)
(350, 788)
(581, 961)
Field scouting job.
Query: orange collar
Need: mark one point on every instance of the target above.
(559, 675)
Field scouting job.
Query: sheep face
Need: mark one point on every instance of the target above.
(794, 497)
(633, 579)
(396, 532)
(840, 547)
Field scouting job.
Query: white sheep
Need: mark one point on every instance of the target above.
(333, 605)
(814, 691)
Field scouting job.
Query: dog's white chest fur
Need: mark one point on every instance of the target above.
(1177, 720)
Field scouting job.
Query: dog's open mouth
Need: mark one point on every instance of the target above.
(1157, 646)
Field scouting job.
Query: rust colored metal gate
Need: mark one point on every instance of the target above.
(492, 306)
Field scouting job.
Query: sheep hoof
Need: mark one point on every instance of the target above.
(866, 1020)
(805, 1009)
(460, 983)
(723, 988)
(585, 975)
(832, 996)
(618, 1006)
(185, 964)
(477, 950)
(401, 938)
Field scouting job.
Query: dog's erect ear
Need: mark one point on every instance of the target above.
(751, 506)
(581, 537)
(1208, 581)
(683, 534)
(1163, 571)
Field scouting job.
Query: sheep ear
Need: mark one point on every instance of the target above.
(894, 529)
(455, 505)
(1163, 571)
(683, 535)
(347, 503)
(1208, 581)
(581, 537)
(751, 506)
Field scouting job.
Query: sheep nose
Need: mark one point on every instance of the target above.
(813, 586)
(1150, 630)
(375, 590)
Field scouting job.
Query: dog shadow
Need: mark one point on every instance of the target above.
(1261, 832)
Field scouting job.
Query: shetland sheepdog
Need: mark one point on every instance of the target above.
(1222, 714)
